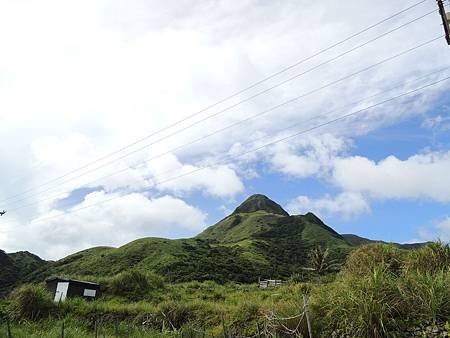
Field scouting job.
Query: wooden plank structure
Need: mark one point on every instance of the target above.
(266, 283)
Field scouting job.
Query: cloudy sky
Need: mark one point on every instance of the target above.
(125, 119)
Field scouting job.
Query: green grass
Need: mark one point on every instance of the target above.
(240, 248)
(381, 292)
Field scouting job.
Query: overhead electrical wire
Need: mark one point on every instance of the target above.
(90, 183)
(25, 192)
(228, 158)
(313, 91)
(256, 83)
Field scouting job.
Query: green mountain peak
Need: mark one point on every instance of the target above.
(260, 202)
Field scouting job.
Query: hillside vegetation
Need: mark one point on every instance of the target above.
(258, 239)
(15, 267)
(381, 291)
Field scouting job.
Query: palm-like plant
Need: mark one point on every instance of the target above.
(320, 260)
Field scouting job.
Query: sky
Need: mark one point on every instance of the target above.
(128, 119)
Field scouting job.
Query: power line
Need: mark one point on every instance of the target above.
(231, 157)
(400, 84)
(253, 85)
(217, 113)
(329, 84)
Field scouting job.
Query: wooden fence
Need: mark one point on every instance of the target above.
(269, 326)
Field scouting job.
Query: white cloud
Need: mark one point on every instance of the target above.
(439, 231)
(219, 181)
(438, 122)
(114, 71)
(422, 176)
(345, 205)
(307, 156)
(113, 221)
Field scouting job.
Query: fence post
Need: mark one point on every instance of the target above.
(8, 328)
(62, 329)
(224, 331)
(95, 329)
(306, 310)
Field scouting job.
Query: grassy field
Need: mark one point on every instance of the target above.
(382, 291)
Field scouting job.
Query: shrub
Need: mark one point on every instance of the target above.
(425, 296)
(176, 314)
(244, 319)
(367, 258)
(134, 284)
(431, 258)
(30, 302)
(358, 306)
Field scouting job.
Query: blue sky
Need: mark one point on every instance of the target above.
(399, 220)
(99, 119)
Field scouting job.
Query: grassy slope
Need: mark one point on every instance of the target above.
(15, 268)
(241, 247)
(357, 241)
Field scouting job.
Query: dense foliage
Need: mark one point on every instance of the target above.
(382, 291)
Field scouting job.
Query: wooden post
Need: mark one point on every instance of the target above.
(95, 329)
(445, 21)
(306, 309)
(8, 328)
(224, 331)
(62, 329)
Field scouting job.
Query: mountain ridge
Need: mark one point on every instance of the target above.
(258, 239)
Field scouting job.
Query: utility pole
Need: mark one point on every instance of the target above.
(445, 20)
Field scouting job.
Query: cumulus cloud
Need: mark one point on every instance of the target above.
(73, 94)
(169, 174)
(308, 156)
(419, 176)
(345, 205)
(108, 219)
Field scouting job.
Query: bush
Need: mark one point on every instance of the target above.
(364, 260)
(425, 296)
(30, 302)
(431, 258)
(297, 278)
(358, 306)
(134, 284)
(176, 314)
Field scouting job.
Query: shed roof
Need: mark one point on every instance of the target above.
(61, 279)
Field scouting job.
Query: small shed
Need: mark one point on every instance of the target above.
(62, 288)
(265, 283)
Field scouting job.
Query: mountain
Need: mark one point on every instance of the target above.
(15, 267)
(260, 203)
(259, 239)
(357, 240)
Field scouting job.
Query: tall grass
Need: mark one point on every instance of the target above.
(30, 302)
(380, 292)
(134, 284)
(433, 257)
